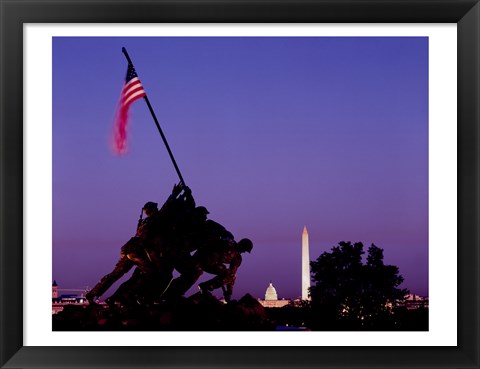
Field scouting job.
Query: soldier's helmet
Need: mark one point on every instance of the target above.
(245, 245)
(150, 206)
(202, 210)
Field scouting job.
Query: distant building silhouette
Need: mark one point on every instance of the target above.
(54, 290)
(59, 301)
(271, 298)
(305, 264)
(271, 293)
(413, 301)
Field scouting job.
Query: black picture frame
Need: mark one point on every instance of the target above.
(465, 13)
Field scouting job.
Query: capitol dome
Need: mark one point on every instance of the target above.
(271, 293)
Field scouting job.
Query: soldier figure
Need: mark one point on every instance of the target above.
(132, 253)
(163, 242)
(213, 260)
(201, 234)
(165, 248)
(178, 248)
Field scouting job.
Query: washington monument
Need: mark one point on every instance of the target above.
(305, 265)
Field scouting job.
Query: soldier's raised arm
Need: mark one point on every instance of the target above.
(177, 188)
(188, 198)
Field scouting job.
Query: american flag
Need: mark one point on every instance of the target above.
(132, 90)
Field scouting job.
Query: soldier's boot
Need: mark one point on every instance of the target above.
(118, 298)
(227, 297)
(110, 302)
(90, 298)
(227, 293)
(205, 289)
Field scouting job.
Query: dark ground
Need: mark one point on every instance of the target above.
(206, 313)
(197, 313)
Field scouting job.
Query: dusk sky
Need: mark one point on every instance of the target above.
(271, 134)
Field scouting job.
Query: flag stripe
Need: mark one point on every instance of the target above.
(135, 96)
(132, 90)
(132, 81)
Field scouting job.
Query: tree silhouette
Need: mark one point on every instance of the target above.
(348, 294)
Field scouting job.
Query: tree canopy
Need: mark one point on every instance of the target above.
(351, 294)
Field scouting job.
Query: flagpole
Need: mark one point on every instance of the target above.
(158, 125)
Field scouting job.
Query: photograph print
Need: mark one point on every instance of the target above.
(240, 184)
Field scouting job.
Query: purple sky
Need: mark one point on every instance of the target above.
(271, 134)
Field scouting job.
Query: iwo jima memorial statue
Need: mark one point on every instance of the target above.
(178, 236)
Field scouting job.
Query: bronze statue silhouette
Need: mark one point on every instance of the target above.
(164, 242)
